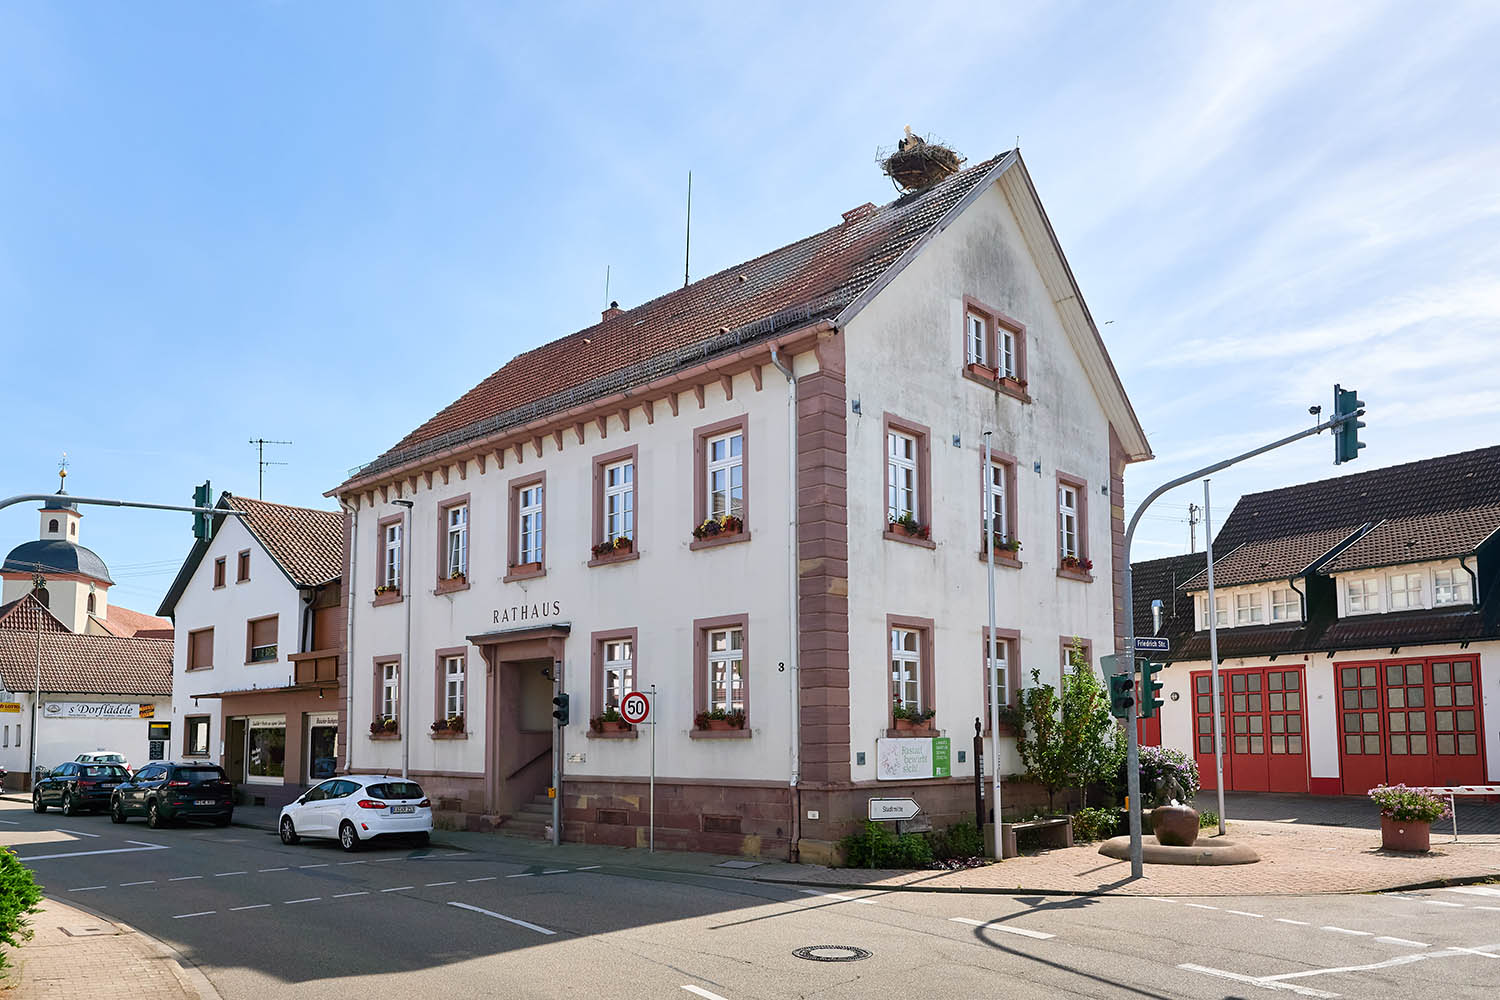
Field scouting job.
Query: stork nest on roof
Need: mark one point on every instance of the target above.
(918, 162)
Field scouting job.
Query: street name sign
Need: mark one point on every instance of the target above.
(1152, 644)
(634, 708)
(893, 809)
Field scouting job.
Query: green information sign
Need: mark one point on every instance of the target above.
(942, 754)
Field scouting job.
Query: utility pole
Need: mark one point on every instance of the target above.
(38, 582)
(261, 463)
(1192, 528)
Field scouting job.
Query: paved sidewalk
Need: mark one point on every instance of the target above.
(75, 955)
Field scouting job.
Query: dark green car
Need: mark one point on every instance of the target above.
(167, 792)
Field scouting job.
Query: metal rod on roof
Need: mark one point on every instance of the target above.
(687, 253)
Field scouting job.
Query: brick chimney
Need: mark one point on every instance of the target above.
(613, 311)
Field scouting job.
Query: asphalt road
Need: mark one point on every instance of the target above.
(265, 921)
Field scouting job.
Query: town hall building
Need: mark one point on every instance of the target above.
(759, 497)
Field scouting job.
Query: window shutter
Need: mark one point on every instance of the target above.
(263, 632)
(201, 650)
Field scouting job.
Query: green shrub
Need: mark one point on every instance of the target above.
(19, 896)
(961, 840)
(1207, 818)
(877, 847)
(1096, 823)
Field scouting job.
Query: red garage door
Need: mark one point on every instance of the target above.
(1415, 721)
(1266, 745)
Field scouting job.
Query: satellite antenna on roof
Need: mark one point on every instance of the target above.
(261, 463)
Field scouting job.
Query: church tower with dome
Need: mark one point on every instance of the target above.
(78, 582)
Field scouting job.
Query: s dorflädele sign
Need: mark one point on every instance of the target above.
(97, 710)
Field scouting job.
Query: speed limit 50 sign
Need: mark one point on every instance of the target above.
(635, 707)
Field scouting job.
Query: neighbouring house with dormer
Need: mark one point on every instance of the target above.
(1358, 628)
(257, 665)
(758, 498)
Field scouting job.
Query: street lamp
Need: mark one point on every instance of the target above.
(402, 716)
(38, 583)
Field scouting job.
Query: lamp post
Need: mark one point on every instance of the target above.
(38, 583)
(402, 716)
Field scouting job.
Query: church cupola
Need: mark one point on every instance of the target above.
(60, 515)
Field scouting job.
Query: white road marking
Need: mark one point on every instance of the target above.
(85, 854)
(381, 861)
(500, 916)
(200, 913)
(272, 869)
(1201, 906)
(79, 833)
(521, 875)
(343, 863)
(555, 871)
(9, 822)
(1401, 960)
(346, 895)
(1298, 923)
(1245, 913)
(1440, 902)
(309, 899)
(1345, 930)
(183, 878)
(431, 884)
(1487, 907)
(1264, 984)
(1396, 940)
(699, 991)
(834, 895)
(1473, 951)
(227, 874)
(88, 888)
(398, 888)
(586, 868)
(1473, 890)
(323, 865)
(990, 925)
(1161, 899)
(149, 881)
(487, 878)
(257, 906)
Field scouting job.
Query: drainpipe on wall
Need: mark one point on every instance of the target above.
(1473, 579)
(353, 513)
(793, 630)
(1292, 582)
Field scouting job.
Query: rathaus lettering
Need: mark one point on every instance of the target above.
(526, 612)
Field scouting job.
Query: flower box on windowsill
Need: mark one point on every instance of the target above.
(386, 595)
(619, 550)
(1007, 553)
(1014, 387)
(910, 531)
(1073, 568)
(524, 571)
(719, 531)
(909, 722)
(452, 583)
(451, 728)
(610, 726)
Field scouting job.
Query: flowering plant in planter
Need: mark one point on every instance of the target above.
(1409, 805)
(459, 575)
(1167, 774)
(1076, 564)
(611, 720)
(724, 524)
(384, 726)
(387, 588)
(612, 545)
(909, 526)
(1006, 543)
(915, 716)
(452, 724)
(718, 718)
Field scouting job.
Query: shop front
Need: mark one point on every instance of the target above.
(284, 737)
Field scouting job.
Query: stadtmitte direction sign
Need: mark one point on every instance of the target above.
(889, 809)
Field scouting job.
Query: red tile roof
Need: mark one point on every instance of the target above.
(74, 663)
(1268, 559)
(307, 543)
(808, 280)
(125, 622)
(1421, 538)
(24, 614)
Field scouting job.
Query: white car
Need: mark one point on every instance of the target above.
(357, 808)
(103, 757)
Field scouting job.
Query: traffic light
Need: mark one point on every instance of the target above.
(1346, 442)
(1150, 688)
(560, 709)
(201, 498)
(1121, 695)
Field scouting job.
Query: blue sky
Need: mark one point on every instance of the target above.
(325, 221)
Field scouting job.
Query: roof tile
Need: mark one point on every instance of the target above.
(308, 543)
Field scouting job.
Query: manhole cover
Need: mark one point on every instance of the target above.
(831, 953)
(91, 930)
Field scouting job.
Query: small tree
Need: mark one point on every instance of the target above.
(1037, 719)
(1093, 744)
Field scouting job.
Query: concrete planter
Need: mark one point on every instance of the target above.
(1175, 826)
(1412, 835)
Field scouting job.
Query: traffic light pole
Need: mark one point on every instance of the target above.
(1133, 759)
(106, 502)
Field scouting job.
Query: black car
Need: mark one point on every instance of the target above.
(167, 792)
(78, 787)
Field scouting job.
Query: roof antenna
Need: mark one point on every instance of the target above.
(606, 286)
(260, 451)
(687, 252)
